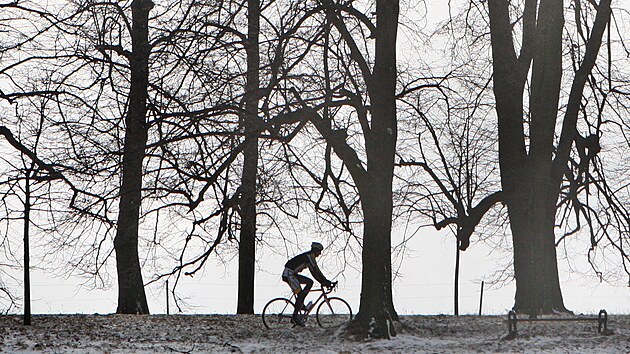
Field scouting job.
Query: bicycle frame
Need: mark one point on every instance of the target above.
(324, 295)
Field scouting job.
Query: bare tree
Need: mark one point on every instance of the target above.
(221, 204)
(454, 180)
(539, 126)
(34, 173)
(248, 190)
(532, 179)
(365, 89)
(574, 204)
(131, 295)
(78, 79)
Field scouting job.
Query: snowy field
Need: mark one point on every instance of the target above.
(246, 334)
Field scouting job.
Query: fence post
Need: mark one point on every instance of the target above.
(168, 311)
(481, 298)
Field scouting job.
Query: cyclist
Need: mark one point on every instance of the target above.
(292, 277)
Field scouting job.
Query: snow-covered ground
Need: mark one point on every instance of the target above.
(246, 334)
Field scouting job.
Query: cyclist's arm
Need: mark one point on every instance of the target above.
(316, 272)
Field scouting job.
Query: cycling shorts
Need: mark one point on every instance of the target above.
(290, 278)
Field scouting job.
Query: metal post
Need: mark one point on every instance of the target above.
(168, 310)
(512, 323)
(602, 320)
(481, 298)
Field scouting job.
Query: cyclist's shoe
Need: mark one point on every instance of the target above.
(297, 321)
(308, 306)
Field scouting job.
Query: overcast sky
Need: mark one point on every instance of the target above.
(424, 287)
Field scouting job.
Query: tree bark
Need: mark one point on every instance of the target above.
(131, 294)
(247, 243)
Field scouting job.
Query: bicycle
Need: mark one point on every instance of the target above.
(331, 312)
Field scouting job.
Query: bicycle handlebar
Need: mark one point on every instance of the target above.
(330, 288)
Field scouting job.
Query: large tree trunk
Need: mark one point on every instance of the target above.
(535, 265)
(532, 215)
(376, 310)
(247, 243)
(531, 180)
(131, 295)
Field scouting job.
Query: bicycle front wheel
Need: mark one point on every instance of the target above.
(277, 313)
(333, 312)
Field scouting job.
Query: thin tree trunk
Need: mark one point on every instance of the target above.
(247, 244)
(456, 291)
(131, 294)
(27, 256)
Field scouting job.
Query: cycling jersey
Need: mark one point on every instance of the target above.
(303, 261)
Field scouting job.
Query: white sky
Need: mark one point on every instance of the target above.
(426, 286)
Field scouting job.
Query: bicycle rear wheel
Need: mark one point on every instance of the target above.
(277, 313)
(334, 312)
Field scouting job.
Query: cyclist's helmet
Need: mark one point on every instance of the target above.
(316, 246)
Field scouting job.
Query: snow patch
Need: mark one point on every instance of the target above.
(245, 333)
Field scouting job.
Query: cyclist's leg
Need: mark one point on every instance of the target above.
(289, 277)
(308, 284)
